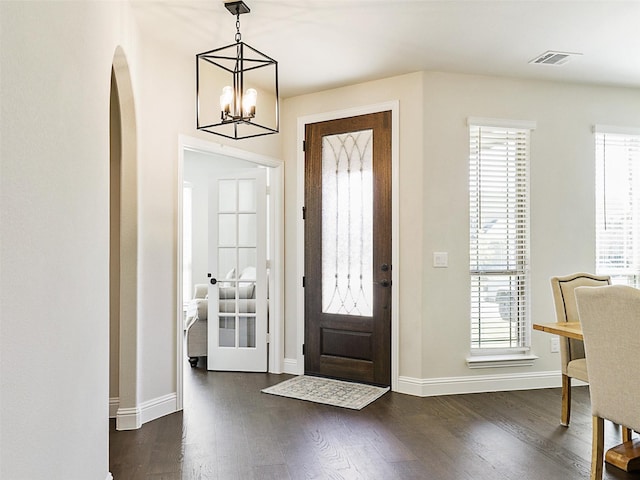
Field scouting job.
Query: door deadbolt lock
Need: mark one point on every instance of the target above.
(384, 267)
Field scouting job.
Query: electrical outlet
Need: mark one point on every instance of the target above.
(555, 345)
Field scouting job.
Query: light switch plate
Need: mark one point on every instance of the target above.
(555, 345)
(440, 259)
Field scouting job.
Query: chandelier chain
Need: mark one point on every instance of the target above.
(238, 34)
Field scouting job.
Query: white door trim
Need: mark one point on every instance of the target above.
(394, 107)
(276, 280)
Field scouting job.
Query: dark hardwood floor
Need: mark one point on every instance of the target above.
(229, 430)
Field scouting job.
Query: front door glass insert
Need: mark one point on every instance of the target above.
(347, 223)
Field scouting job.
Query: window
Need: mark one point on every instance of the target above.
(499, 236)
(618, 205)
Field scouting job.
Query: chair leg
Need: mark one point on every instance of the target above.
(627, 434)
(566, 400)
(597, 448)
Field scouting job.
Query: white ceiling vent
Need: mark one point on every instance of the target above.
(553, 58)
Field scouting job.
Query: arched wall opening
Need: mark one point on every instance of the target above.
(123, 267)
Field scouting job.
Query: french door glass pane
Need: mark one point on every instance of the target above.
(227, 332)
(247, 229)
(247, 332)
(226, 263)
(246, 258)
(347, 223)
(247, 195)
(226, 229)
(237, 242)
(227, 195)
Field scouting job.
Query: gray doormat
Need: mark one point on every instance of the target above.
(328, 391)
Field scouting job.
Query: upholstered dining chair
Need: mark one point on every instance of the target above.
(573, 363)
(610, 319)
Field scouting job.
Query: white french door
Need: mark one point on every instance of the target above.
(237, 316)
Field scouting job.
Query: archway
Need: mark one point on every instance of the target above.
(124, 369)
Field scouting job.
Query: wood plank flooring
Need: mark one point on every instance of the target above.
(229, 430)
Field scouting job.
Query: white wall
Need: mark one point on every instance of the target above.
(562, 198)
(434, 303)
(54, 227)
(167, 110)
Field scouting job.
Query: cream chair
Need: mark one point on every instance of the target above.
(196, 324)
(573, 363)
(610, 319)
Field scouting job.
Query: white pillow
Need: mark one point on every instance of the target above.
(249, 273)
(230, 275)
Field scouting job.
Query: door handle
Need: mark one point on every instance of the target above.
(213, 281)
(384, 283)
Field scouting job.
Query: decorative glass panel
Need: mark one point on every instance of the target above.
(347, 223)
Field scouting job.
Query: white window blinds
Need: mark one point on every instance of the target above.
(499, 237)
(618, 206)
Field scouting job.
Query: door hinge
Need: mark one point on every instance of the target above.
(304, 282)
(304, 213)
(304, 145)
(268, 338)
(303, 351)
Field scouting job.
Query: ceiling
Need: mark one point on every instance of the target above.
(322, 44)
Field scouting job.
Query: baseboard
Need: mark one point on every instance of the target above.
(429, 387)
(128, 418)
(158, 407)
(134, 418)
(114, 404)
(290, 366)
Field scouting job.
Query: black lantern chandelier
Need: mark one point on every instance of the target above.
(237, 88)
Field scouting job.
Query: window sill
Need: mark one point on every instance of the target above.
(496, 361)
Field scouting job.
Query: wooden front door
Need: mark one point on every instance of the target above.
(348, 248)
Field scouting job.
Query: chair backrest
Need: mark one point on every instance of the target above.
(610, 318)
(566, 311)
(200, 290)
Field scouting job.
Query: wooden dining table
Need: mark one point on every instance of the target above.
(625, 456)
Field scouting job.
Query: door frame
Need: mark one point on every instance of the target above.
(276, 253)
(394, 107)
